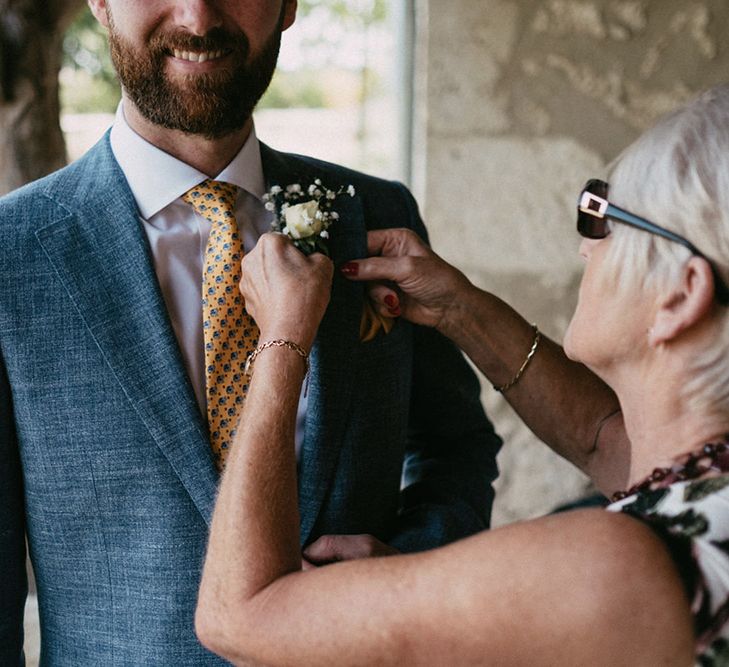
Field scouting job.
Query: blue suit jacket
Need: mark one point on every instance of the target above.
(104, 457)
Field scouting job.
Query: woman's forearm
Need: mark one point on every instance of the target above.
(255, 529)
(561, 401)
(483, 600)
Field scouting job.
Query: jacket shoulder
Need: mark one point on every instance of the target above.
(386, 203)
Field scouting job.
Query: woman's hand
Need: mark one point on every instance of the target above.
(427, 290)
(285, 291)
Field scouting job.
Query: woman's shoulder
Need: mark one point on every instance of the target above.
(692, 519)
(601, 579)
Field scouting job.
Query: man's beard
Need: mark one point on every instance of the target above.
(212, 104)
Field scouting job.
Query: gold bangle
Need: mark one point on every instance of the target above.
(519, 373)
(248, 370)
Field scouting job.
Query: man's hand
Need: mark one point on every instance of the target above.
(333, 548)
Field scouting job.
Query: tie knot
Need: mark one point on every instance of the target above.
(214, 200)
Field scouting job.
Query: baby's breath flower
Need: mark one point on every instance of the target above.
(304, 214)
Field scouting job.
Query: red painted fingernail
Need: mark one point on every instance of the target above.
(395, 312)
(350, 269)
(391, 301)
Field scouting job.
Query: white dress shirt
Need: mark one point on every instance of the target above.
(178, 235)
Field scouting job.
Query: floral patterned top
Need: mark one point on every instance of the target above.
(692, 517)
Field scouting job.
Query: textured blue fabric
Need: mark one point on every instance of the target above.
(104, 459)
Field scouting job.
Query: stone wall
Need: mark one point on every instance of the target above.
(517, 104)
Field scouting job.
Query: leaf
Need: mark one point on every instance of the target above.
(689, 523)
(322, 247)
(705, 487)
(646, 501)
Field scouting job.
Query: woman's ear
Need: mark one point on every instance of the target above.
(689, 303)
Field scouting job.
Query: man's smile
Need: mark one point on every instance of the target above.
(200, 56)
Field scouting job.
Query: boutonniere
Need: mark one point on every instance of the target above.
(305, 214)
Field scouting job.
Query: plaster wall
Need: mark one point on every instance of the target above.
(518, 102)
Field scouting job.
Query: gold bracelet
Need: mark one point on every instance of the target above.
(248, 370)
(519, 373)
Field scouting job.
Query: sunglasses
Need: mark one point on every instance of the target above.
(594, 209)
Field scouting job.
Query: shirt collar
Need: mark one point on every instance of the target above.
(157, 179)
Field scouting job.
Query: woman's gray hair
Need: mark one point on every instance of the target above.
(677, 175)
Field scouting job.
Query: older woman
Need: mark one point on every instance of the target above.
(645, 583)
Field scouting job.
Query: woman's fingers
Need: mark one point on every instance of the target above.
(418, 284)
(395, 255)
(385, 299)
(395, 243)
(395, 269)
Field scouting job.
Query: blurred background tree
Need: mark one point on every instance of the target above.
(31, 35)
(339, 20)
(88, 80)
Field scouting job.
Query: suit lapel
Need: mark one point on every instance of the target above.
(101, 256)
(334, 354)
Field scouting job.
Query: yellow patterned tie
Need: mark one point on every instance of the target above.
(230, 333)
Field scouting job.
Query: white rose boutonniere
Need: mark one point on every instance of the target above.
(305, 214)
(303, 220)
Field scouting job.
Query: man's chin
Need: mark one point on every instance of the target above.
(207, 121)
(200, 110)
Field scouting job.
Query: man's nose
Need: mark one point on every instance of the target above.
(198, 17)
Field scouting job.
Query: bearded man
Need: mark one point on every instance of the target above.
(123, 339)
